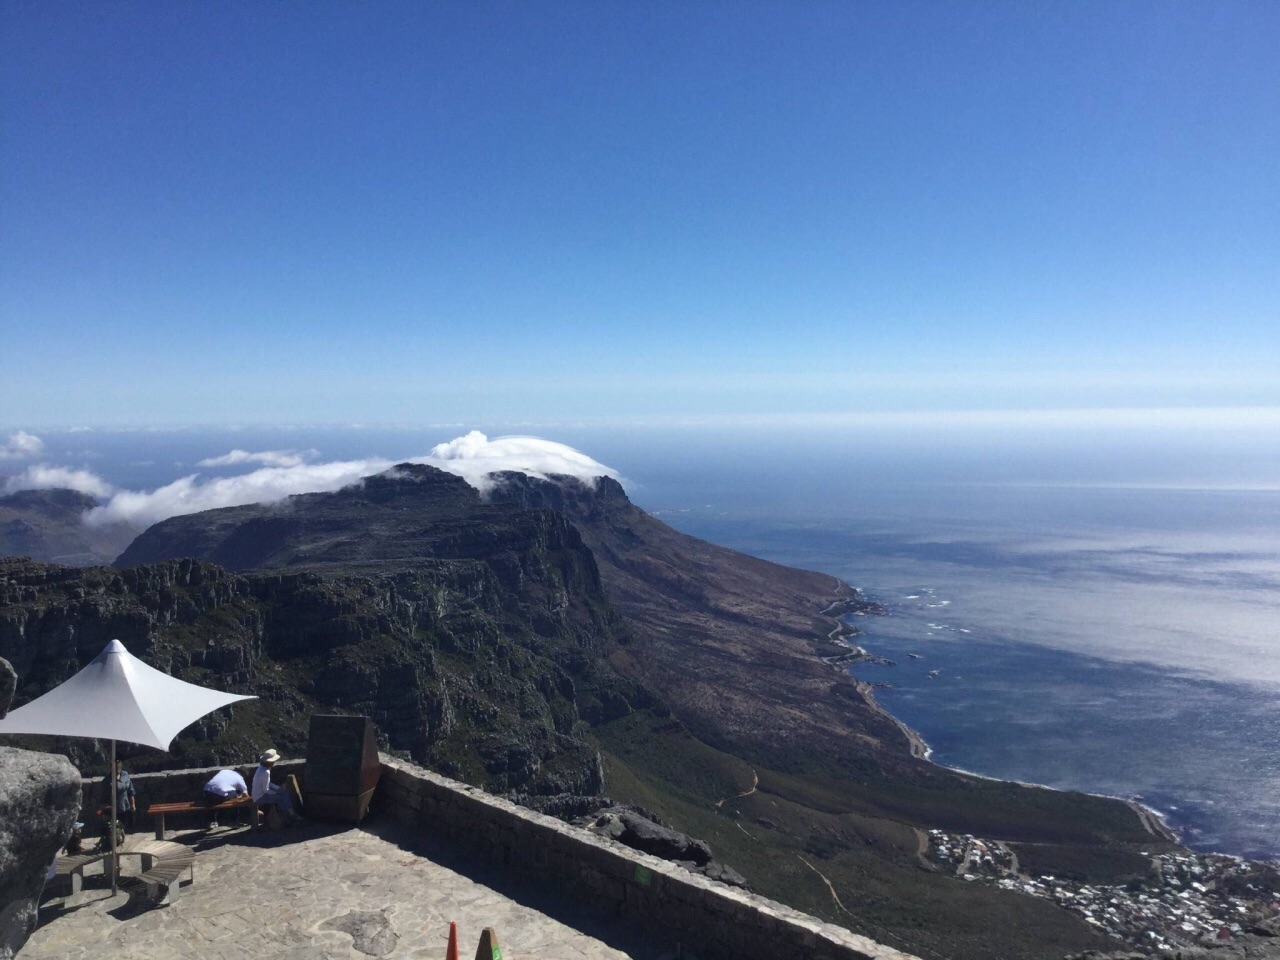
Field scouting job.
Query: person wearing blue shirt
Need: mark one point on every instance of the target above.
(223, 785)
(126, 796)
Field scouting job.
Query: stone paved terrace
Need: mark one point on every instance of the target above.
(285, 895)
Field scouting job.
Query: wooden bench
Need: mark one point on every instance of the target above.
(159, 810)
(163, 864)
(72, 866)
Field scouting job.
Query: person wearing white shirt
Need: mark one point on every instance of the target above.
(264, 791)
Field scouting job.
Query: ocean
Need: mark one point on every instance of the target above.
(1120, 642)
(1091, 613)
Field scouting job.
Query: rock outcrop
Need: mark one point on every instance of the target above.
(455, 668)
(647, 834)
(8, 686)
(39, 800)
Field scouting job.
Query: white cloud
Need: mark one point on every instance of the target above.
(44, 477)
(189, 494)
(21, 445)
(268, 458)
(473, 457)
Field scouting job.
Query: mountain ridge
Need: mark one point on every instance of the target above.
(48, 525)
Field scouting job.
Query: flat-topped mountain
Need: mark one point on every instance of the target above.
(410, 512)
(476, 635)
(732, 643)
(47, 525)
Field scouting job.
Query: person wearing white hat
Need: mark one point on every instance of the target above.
(265, 792)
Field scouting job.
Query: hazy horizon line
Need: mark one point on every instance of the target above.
(1252, 416)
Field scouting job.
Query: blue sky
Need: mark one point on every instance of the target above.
(558, 212)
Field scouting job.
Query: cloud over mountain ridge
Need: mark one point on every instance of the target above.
(283, 473)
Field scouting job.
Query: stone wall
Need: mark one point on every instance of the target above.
(717, 920)
(169, 786)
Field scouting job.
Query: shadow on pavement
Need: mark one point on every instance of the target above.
(546, 897)
(133, 894)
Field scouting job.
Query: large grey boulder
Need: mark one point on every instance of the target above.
(637, 828)
(627, 826)
(8, 685)
(39, 801)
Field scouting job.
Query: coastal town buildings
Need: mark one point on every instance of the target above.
(1188, 899)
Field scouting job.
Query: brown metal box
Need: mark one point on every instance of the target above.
(342, 767)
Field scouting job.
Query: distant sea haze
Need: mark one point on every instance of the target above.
(1131, 652)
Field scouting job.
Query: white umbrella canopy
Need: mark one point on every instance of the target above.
(118, 697)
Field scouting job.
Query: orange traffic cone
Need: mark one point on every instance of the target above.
(452, 952)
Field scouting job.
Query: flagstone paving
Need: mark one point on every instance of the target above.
(315, 892)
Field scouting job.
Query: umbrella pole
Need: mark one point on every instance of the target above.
(111, 827)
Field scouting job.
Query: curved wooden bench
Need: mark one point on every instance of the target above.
(163, 864)
(72, 866)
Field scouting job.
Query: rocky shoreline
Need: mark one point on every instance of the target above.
(1153, 820)
(851, 604)
(1199, 906)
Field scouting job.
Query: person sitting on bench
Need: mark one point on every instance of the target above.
(223, 785)
(266, 793)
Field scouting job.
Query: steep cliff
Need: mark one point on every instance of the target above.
(733, 643)
(476, 636)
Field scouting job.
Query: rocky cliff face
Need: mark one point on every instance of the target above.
(46, 525)
(39, 800)
(734, 644)
(476, 636)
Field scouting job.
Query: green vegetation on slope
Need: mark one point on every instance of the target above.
(786, 837)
